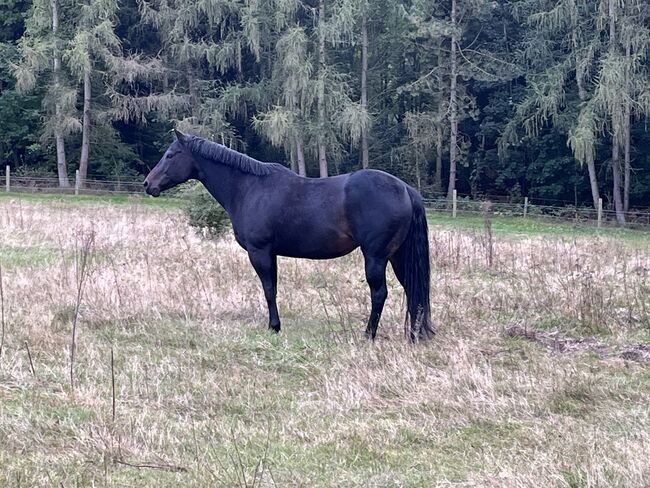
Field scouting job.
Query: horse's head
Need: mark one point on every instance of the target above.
(176, 166)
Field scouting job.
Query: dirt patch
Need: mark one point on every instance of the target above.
(557, 342)
(639, 353)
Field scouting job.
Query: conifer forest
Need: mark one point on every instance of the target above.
(549, 98)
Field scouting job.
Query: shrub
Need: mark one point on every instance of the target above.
(203, 212)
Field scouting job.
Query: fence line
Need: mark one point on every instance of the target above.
(498, 205)
(510, 199)
(45, 184)
(528, 210)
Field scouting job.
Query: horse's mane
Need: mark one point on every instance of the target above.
(221, 154)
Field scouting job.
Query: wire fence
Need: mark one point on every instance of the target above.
(38, 184)
(532, 209)
(493, 205)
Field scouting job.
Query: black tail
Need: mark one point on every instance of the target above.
(417, 271)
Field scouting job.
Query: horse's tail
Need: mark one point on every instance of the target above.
(417, 271)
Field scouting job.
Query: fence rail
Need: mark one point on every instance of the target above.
(569, 213)
(48, 184)
(497, 205)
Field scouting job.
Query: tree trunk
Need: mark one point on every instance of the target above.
(593, 180)
(591, 166)
(293, 158)
(616, 176)
(322, 159)
(453, 107)
(627, 168)
(616, 163)
(626, 135)
(582, 93)
(192, 89)
(437, 179)
(418, 176)
(364, 88)
(85, 135)
(58, 136)
(300, 156)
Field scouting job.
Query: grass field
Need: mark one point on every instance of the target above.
(539, 375)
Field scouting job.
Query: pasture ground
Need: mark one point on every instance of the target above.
(539, 374)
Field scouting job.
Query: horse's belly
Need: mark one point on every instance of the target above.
(316, 246)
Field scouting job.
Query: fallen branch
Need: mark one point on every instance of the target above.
(31, 363)
(163, 467)
(113, 383)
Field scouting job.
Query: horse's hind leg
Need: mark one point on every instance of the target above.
(266, 267)
(376, 277)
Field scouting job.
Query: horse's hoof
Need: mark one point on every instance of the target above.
(369, 336)
(427, 334)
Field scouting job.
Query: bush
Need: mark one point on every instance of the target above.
(203, 212)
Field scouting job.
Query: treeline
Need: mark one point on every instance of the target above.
(505, 97)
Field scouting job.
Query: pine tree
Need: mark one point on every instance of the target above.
(42, 47)
(292, 96)
(93, 45)
(451, 60)
(365, 158)
(198, 42)
(322, 157)
(620, 85)
(554, 28)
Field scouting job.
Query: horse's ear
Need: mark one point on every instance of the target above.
(182, 138)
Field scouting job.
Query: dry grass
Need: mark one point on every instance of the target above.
(204, 396)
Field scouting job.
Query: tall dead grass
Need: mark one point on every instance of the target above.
(177, 382)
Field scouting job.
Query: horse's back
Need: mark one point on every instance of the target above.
(375, 184)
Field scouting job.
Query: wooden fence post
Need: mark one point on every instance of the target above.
(453, 211)
(7, 178)
(600, 211)
(76, 182)
(525, 206)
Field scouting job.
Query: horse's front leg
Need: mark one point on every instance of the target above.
(266, 267)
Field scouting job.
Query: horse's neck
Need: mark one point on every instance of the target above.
(225, 184)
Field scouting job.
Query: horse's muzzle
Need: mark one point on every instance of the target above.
(154, 191)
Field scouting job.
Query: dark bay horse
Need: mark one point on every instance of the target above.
(275, 212)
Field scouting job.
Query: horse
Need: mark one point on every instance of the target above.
(275, 212)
